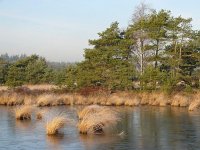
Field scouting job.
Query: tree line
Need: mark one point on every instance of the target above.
(157, 51)
(18, 70)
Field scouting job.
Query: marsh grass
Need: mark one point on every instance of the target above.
(195, 104)
(40, 114)
(23, 113)
(97, 120)
(45, 100)
(132, 101)
(54, 125)
(88, 110)
(180, 100)
(42, 96)
(15, 99)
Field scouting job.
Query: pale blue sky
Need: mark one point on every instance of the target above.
(59, 29)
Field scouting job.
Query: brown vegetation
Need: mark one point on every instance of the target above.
(40, 114)
(53, 126)
(195, 104)
(45, 100)
(180, 100)
(97, 120)
(23, 113)
(29, 95)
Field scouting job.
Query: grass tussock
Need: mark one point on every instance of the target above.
(88, 110)
(116, 100)
(15, 99)
(53, 126)
(45, 100)
(144, 98)
(23, 113)
(40, 114)
(97, 120)
(195, 104)
(132, 101)
(4, 98)
(180, 100)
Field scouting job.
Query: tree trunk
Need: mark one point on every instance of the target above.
(156, 54)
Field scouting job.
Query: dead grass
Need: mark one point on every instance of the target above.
(23, 113)
(144, 98)
(98, 120)
(29, 100)
(45, 100)
(132, 101)
(4, 98)
(116, 100)
(15, 99)
(79, 100)
(40, 114)
(88, 110)
(195, 104)
(53, 126)
(180, 100)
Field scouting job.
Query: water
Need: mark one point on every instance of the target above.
(145, 128)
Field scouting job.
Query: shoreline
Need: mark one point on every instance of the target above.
(42, 97)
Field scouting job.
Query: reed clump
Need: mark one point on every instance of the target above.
(180, 100)
(53, 126)
(116, 100)
(88, 110)
(40, 114)
(195, 104)
(97, 120)
(45, 100)
(15, 99)
(23, 113)
(132, 101)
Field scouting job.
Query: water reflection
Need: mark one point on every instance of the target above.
(54, 142)
(91, 142)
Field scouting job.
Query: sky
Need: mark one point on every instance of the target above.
(59, 30)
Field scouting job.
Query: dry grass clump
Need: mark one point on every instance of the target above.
(97, 120)
(158, 99)
(144, 98)
(88, 110)
(53, 126)
(40, 114)
(132, 101)
(4, 98)
(15, 99)
(29, 100)
(96, 100)
(45, 100)
(163, 100)
(195, 104)
(11, 99)
(68, 99)
(180, 100)
(116, 100)
(23, 113)
(79, 100)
